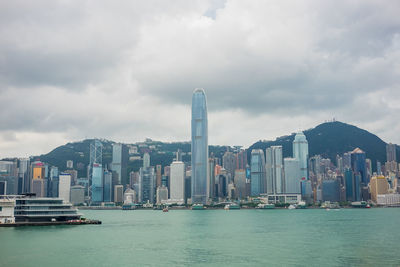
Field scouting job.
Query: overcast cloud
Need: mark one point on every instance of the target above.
(126, 70)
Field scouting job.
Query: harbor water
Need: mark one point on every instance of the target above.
(312, 237)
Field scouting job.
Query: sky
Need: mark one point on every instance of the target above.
(126, 70)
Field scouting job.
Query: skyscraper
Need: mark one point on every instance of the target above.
(64, 186)
(257, 172)
(390, 152)
(120, 163)
(300, 152)
(177, 181)
(292, 176)
(274, 167)
(97, 183)
(199, 147)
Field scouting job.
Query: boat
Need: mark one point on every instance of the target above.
(291, 207)
(301, 205)
(198, 207)
(165, 209)
(265, 206)
(232, 206)
(360, 204)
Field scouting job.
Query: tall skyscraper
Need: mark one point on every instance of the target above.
(300, 152)
(292, 176)
(158, 175)
(199, 147)
(146, 160)
(390, 152)
(119, 163)
(96, 157)
(177, 181)
(274, 167)
(229, 162)
(257, 172)
(240, 182)
(358, 164)
(97, 183)
(147, 180)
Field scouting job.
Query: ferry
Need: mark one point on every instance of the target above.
(360, 204)
(291, 207)
(301, 205)
(232, 206)
(265, 206)
(198, 207)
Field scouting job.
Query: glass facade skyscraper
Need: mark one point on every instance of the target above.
(199, 147)
(300, 152)
(274, 169)
(257, 172)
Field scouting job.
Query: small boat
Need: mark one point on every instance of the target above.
(165, 209)
(232, 206)
(292, 207)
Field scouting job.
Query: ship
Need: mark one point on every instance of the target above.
(232, 206)
(265, 206)
(198, 207)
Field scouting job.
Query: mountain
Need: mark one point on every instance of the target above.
(333, 138)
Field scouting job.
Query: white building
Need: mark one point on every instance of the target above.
(388, 200)
(177, 181)
(64, 186)
(129, 196)
(300, 152)
(7, 210)
(292, 175)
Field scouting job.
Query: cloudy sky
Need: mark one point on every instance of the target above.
(126, 70)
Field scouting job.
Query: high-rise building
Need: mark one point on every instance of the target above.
(23, 175)
(379, 186)
(119, 162)
(391, 152)
(96, 158)
(97, 183)
(146, 184)
(257, 172)
(158, 175)
(240, 182)
(162, 194)
(211, 178)
(74, 176)
(241, 160)
(274, 167)
(177, 181)
(358, 165)
(146, 160)
(64, 186)
(292, 176)
(70, 164)
(300, 152)
(108, 187)
(77, 195)
(199, 147)
(229, 163)
(9, 176)
(118, 193)
(331, 190)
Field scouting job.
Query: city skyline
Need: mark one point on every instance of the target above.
(58, 85)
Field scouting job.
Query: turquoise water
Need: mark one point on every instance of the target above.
(347, 237)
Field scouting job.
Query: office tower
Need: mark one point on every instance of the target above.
(39, 187)
(379, 186)
(118, 193)
(70, 164)
(229, 163)
(95, 157)
(306, 191)
(358, 165)
(64, 186)
(241, 159)
(134, 180)
(178, 156)
(257, 169)
(177, 181)
(97, 183)
(119, 162)
(221, 181)
(273, 165)
(347, 160)
(391, 152)
(240, 182)
(74, 176)
(300, 152)
(38, 182)
(331, 190)
(292, 176)
(349, 183)
(378, 168)
(77, 195)
(146, 160)
(211, 178)
(146, 184)
(158, 175)
(199, 147)
(9, 176)
(108, 186)
(162, 195)
(23, 175)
